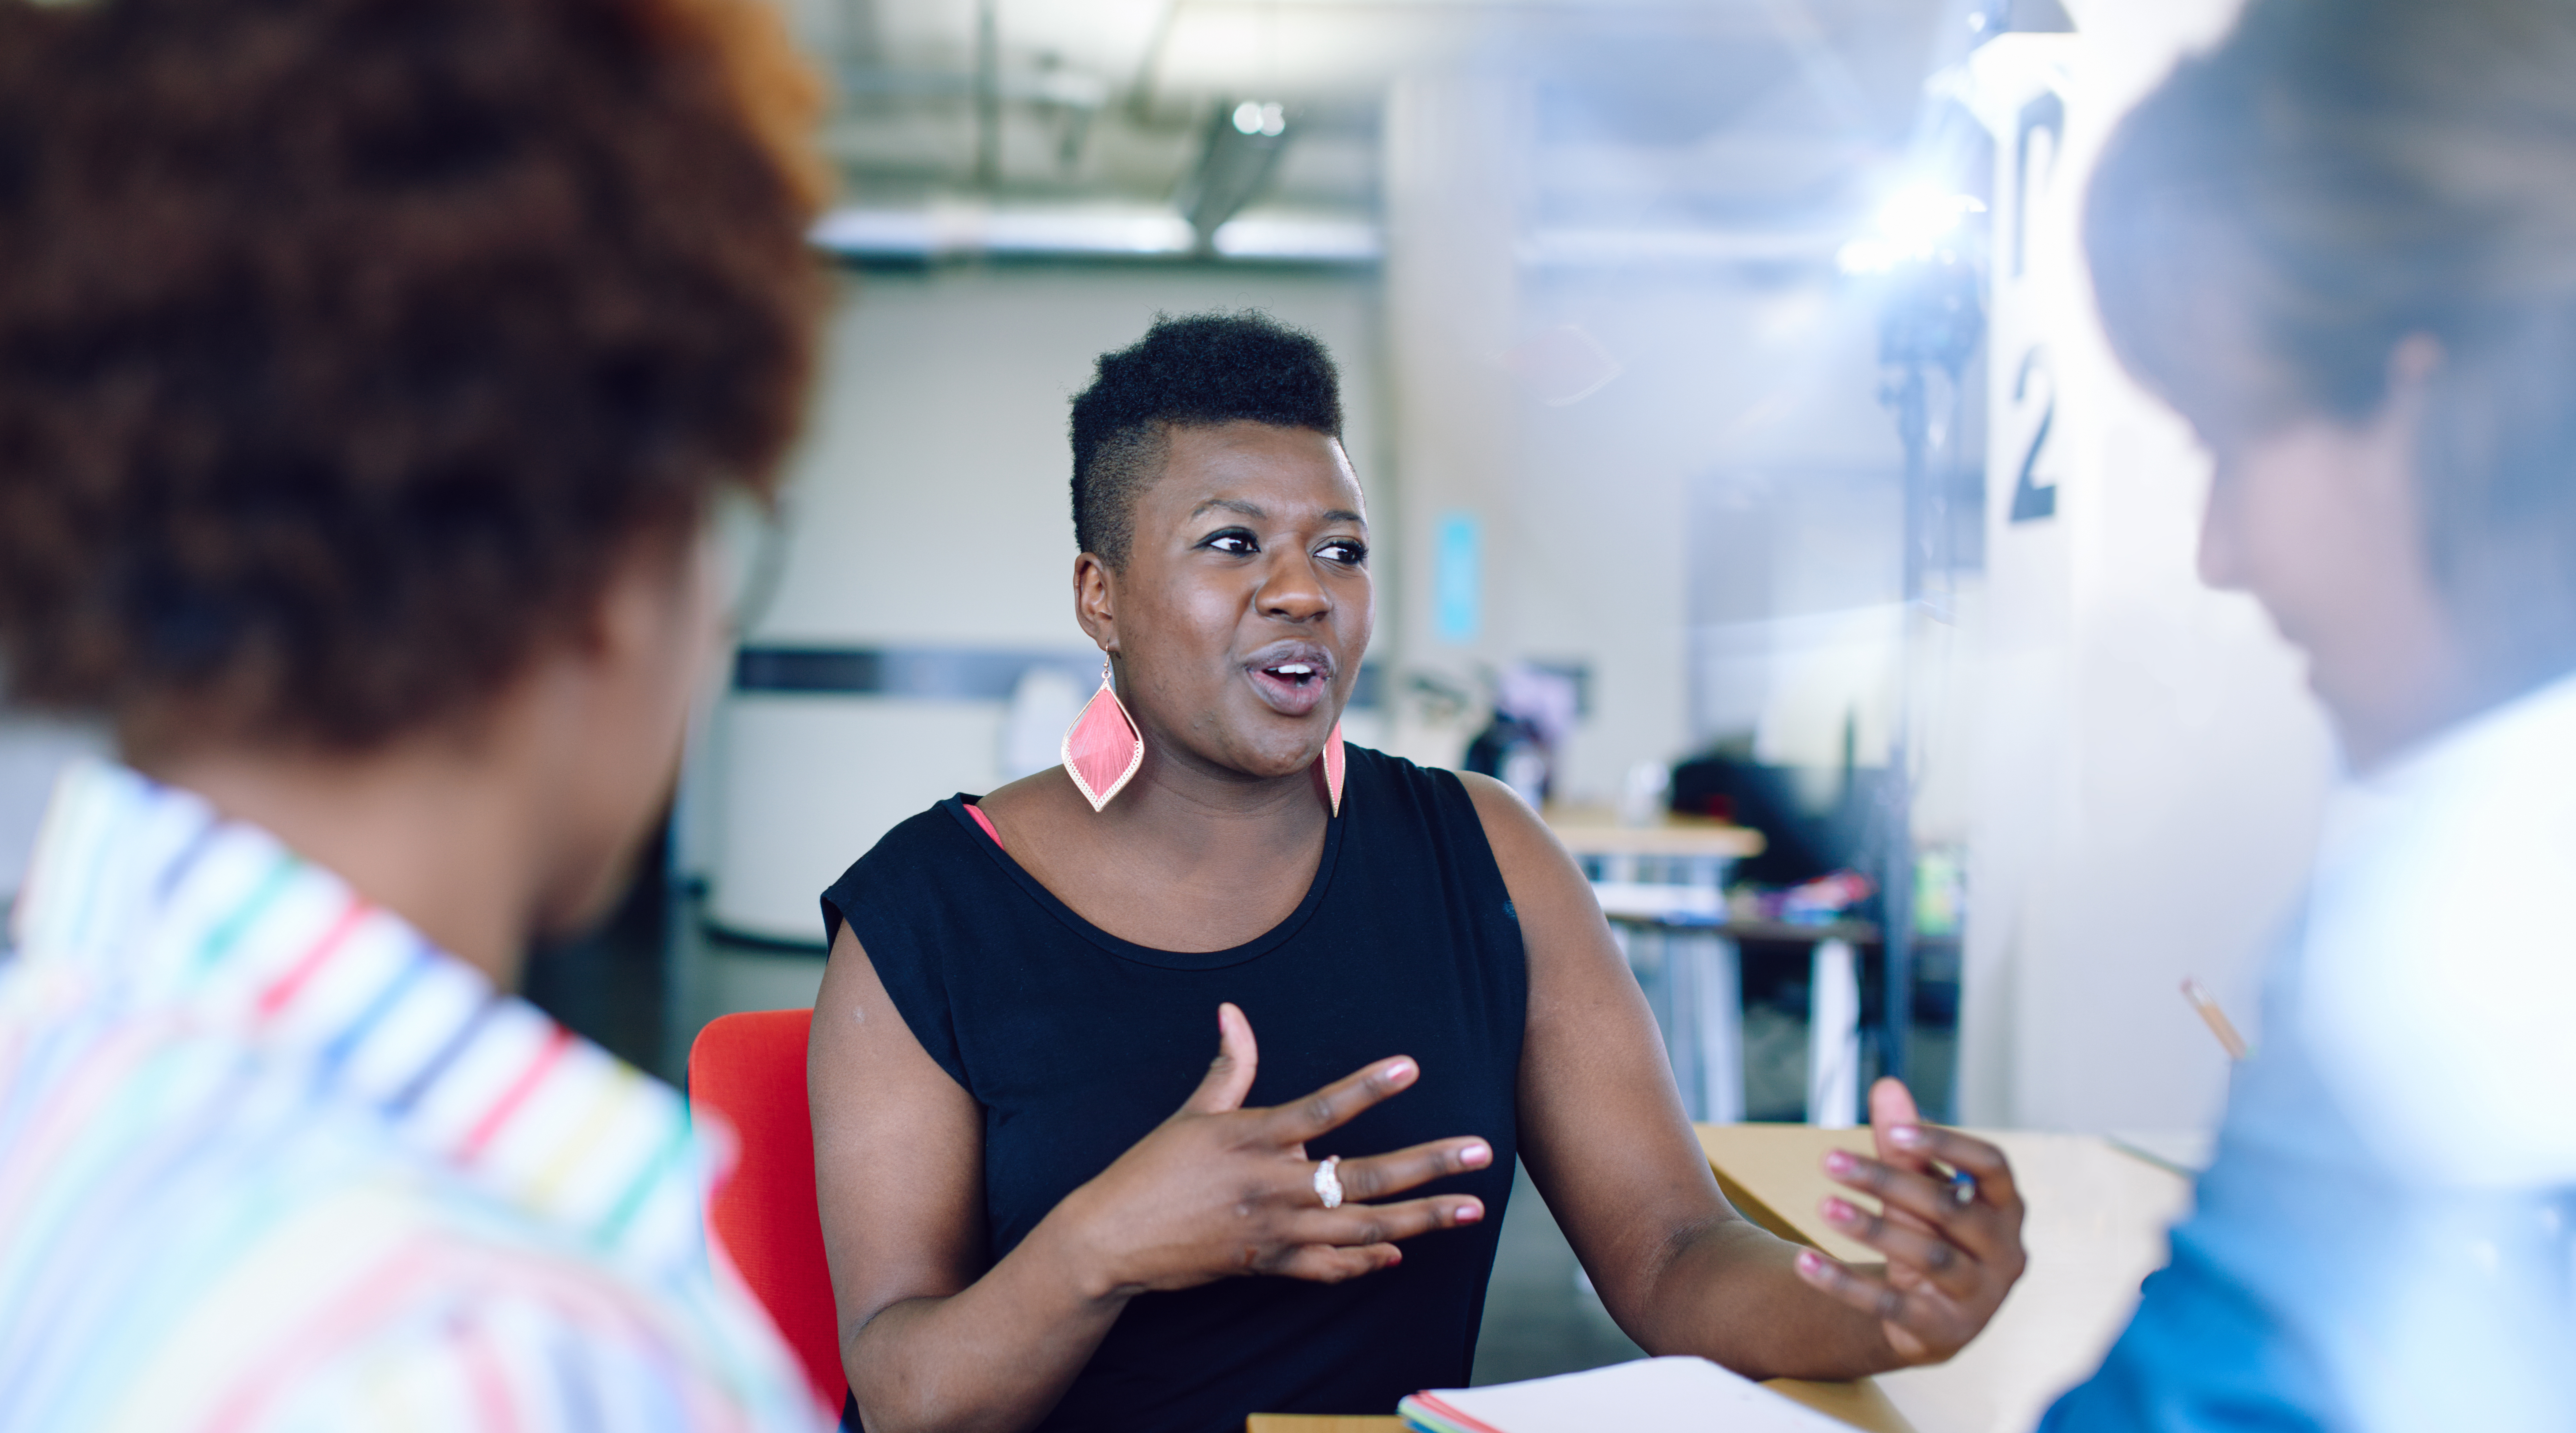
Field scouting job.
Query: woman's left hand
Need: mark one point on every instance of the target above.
(1952, 1240)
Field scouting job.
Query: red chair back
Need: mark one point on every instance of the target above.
(750, 1068)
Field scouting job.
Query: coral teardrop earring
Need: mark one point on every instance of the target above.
(1102, 749)
(1333, 767)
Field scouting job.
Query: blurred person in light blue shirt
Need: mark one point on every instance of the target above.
(2343, 244)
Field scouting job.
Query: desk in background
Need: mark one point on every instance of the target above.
(1663, 888)
(1675, 867)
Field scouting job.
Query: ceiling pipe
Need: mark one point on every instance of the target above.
(1242, 149)
(988, 95)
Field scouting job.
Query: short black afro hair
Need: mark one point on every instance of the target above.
(1196, 371)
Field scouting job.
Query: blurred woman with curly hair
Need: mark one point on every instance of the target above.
(368, 372)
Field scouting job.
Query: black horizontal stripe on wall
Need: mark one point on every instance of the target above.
(938, 673)
(953, 673)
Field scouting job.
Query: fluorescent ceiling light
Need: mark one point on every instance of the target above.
(1911, 227)
(1299, 237)
(952, 229)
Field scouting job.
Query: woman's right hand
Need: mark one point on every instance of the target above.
(1219, 1190)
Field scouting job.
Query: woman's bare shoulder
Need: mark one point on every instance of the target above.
(1535, 866)
(1043, 821)
(1040, 798)
(1510, 825)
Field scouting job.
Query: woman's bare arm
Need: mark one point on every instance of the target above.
(933, 1337)
(1604, 1137)
(899, 1166)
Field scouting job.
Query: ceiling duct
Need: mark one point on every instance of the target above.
(1244, 141)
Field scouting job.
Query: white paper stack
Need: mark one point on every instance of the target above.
(1652, 1395)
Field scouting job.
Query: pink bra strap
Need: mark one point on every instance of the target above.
(986, 822)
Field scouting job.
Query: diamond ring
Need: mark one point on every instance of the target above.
(1328, 1185)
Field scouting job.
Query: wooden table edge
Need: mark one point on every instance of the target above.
(1860, 1403)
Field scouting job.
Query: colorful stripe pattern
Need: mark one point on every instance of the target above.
(1427, 1412)
(271, 1160)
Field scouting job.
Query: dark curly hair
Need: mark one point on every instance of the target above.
(2272, 222)
(1196, 371)
(347, 347)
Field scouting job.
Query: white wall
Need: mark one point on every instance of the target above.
(33, 752)
(1766, 390)
(2152, 763)
(1594, 512)
(930, 492)
(930, 508)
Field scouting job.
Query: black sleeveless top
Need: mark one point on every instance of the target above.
(1076, 1044)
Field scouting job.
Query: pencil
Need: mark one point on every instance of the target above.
(2219, 1025)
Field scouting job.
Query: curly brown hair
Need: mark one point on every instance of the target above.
(347, 347)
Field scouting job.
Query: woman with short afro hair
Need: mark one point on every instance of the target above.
(369, 371)
(1046, 1208)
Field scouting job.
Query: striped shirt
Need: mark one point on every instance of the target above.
(271, 1160)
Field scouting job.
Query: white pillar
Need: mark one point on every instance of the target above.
(1455, 148)
(2150, 764)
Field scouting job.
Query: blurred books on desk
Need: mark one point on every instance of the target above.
(1654, 901)
(1649, 1394)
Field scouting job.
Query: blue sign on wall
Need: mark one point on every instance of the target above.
(1458, 577)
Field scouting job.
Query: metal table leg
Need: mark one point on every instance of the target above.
(1833, 1036)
